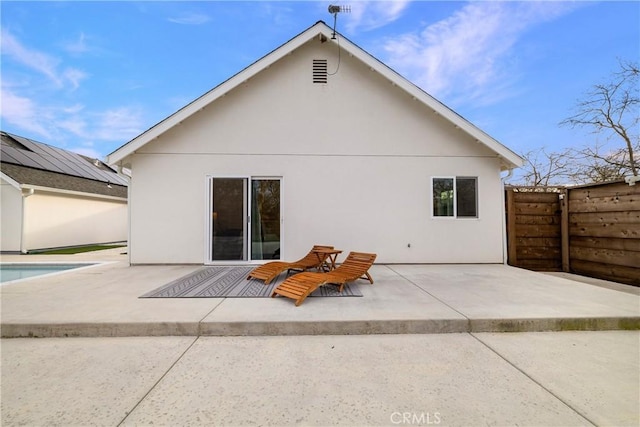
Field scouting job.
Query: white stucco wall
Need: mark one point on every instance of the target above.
(56, 219)
(356, 157)
(11, 217)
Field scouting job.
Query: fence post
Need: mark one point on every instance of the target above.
(564, 229)
(511, 228)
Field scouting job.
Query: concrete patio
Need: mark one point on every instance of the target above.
(313, 373)
(103, 301)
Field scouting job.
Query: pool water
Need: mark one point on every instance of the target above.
(18, 271)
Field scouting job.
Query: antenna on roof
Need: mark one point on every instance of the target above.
(335, 10)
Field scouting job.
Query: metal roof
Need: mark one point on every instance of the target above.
(25, 152)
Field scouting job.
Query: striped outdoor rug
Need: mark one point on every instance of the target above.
(230, 282)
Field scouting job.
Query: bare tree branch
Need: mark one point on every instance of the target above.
(613, 108)
(543, 168)
(574, 166)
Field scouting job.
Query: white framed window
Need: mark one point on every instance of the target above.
(454, 196)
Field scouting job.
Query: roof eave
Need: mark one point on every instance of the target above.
(15, 184)
(509, 159)
(73, 193)
(119, 155)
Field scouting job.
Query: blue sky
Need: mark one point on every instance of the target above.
(90, 76)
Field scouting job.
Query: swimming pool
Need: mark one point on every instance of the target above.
(12, 272)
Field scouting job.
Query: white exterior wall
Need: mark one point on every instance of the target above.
(11, 217)
(356, 157)
(57, 219)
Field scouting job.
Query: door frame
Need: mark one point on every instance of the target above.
(208, 226)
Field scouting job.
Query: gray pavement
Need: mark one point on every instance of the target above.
(104, 301)
(383, 359)
(466, 379)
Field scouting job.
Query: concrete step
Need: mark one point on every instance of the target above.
(368, 327)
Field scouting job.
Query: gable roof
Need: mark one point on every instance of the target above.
(28, 164)
(508, 159)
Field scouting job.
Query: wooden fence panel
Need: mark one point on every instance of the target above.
(628, 275)
(592, 230)
(533, 229)
(613, 243)
(605, 217)
(608, 204)
(604, 232)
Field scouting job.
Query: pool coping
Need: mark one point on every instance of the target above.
(88, 264)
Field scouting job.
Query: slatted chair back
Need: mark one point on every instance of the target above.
(314, 258)
(355, 266)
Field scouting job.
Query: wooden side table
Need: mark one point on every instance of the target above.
(329, 256)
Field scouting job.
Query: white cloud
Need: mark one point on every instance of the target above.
(33, 59)
(78, 46)
(40, 62)
(37, 110)
(74, 76)
(68, 124)
(190, 18)
(468, 55)
(74, 124)
(22, 112)
(119, 124)
(369, 15)
(278, 13)
(73, 109)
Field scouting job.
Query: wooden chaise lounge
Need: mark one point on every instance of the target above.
(269, 271)
(300, 286)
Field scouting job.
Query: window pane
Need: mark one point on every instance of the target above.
(466, 199)
(442, 196)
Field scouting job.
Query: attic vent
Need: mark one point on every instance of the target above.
(320, 71)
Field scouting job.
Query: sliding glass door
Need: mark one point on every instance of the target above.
(265, 219)
(245, 218)
(228, 219)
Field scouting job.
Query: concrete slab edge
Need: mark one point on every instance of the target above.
(63, 330)
(354, 327)
(555, 324)
(357, 327)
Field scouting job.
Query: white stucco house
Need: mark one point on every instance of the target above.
(318, 142)
(51, 198)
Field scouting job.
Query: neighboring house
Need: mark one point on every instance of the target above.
(51, 197)
(316, 143)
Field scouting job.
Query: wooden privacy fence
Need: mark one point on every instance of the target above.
(590, 230)
(533, 228)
